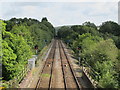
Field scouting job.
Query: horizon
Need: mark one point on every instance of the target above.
(59, 25)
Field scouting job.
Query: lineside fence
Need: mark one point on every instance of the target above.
(14, 83)
(92, 75)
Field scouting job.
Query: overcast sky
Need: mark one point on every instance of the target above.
(61, 12)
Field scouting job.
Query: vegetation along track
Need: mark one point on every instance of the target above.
(47, 77)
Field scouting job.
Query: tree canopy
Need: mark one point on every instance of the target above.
(19, 37)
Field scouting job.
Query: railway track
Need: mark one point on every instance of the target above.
(70, 80)
(49, 76)
(46, 73)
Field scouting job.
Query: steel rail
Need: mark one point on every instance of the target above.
(65, 85)
(73, 73)
(40, 78)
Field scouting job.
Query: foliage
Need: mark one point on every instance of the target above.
(101, 55)
(8, 61)
(98, 49)
(89, 24)
(19, 38)
(64, 31)
(81, 29)
(44, 19)
(110, 27)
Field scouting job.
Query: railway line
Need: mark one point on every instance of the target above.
(57, 71)
(70, 80)
(46, 73)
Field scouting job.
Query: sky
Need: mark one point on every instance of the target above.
(61, 12)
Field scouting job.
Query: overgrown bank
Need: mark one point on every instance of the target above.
(22, 38)
(99, 47)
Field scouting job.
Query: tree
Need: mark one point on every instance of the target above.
(19, 38)
(89, 24)
(110, 27)
(23, 30)
(64, 31)
(81, 29)
(8, 61)
(44, 19)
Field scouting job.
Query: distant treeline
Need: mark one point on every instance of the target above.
(20, 38)
(100, 48)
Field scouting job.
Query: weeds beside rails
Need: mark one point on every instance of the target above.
(14, 83)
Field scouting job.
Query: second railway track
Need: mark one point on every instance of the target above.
(70, 80)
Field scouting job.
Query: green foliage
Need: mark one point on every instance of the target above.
(50, 29)
(98, 49)
(107, 79)
(115, 38)
(23, 31)
(18, 46)
(89, 24)
(2, 27)
(85, 29)
(85, 41)
(8, 61)
(41, 33)
(44, 19)
(20, 36)
(101, 56)
(64, 31)
(22, 49)
(117, 67)
(110, 27)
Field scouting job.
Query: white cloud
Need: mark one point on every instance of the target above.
(63, 12)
